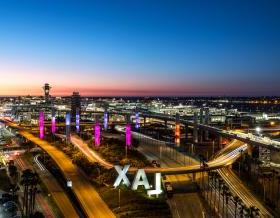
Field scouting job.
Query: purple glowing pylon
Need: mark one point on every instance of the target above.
(77, 120)
(67, 125)
(97, 133)
(41, 124)
(128, 135)
(105, 120)
(137, 120)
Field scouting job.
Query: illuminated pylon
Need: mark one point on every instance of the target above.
(137, 120)
(68, 125)
(128, 137)
(53, 123)
(41, 124)
(77, 120)
(97, 133)
(105, 122)
(177, 130)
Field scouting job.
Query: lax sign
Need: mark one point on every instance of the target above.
(139, 179)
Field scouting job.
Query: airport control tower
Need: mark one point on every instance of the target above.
(47, 89)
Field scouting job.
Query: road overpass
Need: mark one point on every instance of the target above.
(246, 138)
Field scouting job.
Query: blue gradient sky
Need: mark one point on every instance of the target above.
(140, 47)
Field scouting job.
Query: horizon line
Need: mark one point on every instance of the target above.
(145, 96)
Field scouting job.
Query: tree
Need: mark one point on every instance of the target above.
(228, 196)
(242, 208)
(224, 193)
(38, 214)
(30, 181)
(236, 200)
(33, 190)
(26, 181)
(273, 197)
(215, 186)
(277, 195)
(210, 183)
(220, 185)
(13, 172)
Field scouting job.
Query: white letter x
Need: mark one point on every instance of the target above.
(122, 176)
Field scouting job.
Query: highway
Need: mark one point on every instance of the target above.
(223, 160)
(57, 192)
(234, 183)
(88, 197)
(224, 157)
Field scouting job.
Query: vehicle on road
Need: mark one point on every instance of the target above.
(155, 163)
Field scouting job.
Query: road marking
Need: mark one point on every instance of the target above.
(41, 166)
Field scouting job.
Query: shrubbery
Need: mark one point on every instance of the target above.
(113, 150)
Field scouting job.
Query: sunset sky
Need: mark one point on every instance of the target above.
(140, 47)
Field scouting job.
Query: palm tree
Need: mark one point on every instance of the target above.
(220, 185)
(25, 181)
(253, 211)
(29, 180)
(211, 177)
(215, 188)
(242, 208)
(273, 197)
(269, 178)
(207, 186)
(34, 183)
(236, 201)
(228, 196)
(277, 195)
(247, 212)
(224, 191)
